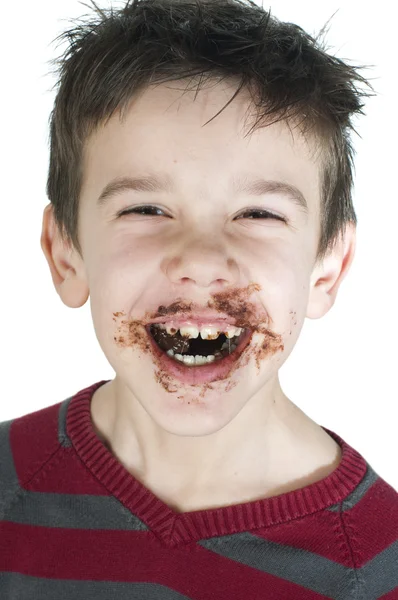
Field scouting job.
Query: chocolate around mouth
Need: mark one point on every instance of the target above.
(132, 333)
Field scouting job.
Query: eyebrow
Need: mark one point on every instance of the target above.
(162, 182)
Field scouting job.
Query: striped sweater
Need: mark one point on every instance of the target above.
(75, 524)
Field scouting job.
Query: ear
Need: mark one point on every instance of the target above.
(327, 277)
(66, 266)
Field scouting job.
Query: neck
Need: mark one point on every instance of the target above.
(268, 448)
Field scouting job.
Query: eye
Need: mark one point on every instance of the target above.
(143, 210)
(155, 211)
(264, 214)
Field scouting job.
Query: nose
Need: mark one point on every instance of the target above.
(204, 263)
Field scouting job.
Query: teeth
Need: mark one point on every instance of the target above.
(188, 359)
(190, 332)
(200, 360)
(209, 333)
(230, 332)
(193, 360)
(206, 333)
(212, 333)
(171, 330)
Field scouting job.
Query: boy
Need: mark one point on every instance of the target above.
(203, 247)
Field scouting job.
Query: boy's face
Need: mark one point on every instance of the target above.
(197, 250)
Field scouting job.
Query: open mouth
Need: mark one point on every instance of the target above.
(196, 351)
(194, 360)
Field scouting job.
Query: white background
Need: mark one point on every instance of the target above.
(343, 370)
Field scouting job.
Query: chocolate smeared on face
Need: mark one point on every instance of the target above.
(235, 303)
(178, 307)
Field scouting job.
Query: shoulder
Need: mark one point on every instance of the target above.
(8, 478)
(370, 522)
(26, 444)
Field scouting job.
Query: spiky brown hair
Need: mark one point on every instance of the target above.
(112, 55)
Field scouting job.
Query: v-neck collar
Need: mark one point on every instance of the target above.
(174, 528)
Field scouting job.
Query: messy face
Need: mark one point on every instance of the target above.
(198, 284)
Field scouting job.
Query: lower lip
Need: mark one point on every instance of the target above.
(214, 371)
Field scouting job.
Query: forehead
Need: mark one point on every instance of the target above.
(165, 128)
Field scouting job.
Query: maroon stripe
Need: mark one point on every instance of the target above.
(100, 555)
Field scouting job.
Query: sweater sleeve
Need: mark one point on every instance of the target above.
(9, 484)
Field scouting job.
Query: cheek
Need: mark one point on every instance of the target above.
(132, 250)
(285, 267)
(284, 279)
(122, 267)
(126, 252)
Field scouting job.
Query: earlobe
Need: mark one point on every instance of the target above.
(71, 288)
(327, 277)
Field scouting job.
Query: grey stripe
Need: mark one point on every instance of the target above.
(369, 479)
(14, 586)
(317, 573)
(74, 511)
(298, 566)
(62, 435)
(381, 573)
(8, 477)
